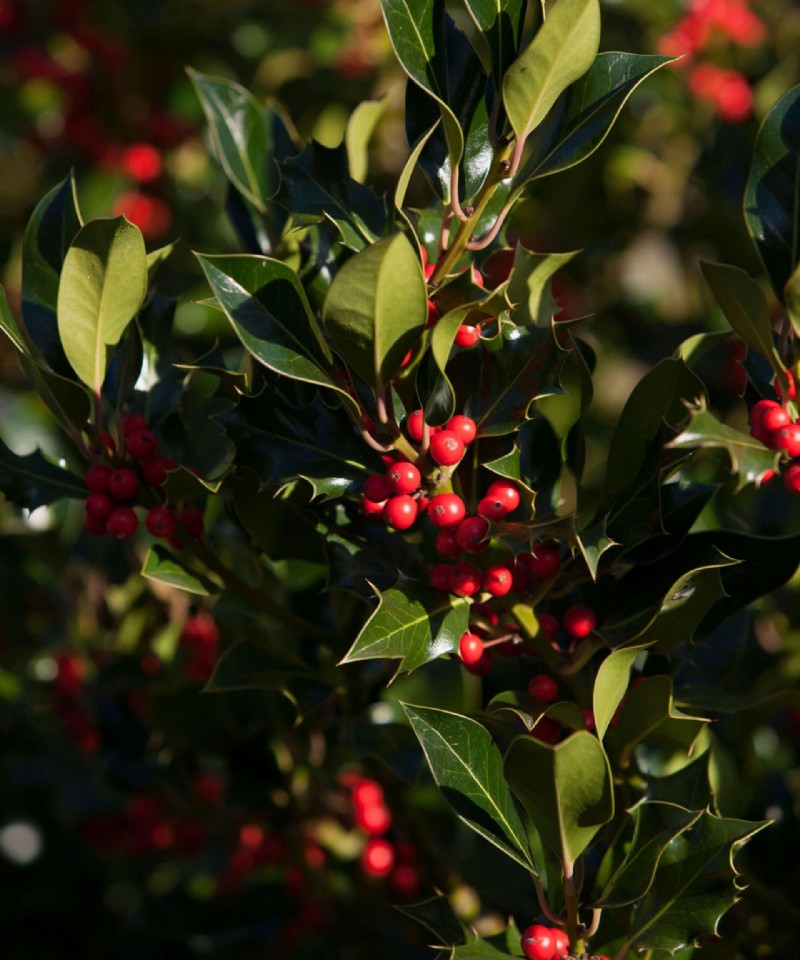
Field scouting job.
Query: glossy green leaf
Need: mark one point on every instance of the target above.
(316, 186)
(479, 949)
(360, 127)
(611, 684)
(593, 542)
(772, 193)
(688, 787)
(377, 308)
(103, 285)
(566, 789)
(561, 51)
(164, 567)
(440, 410)
(745, 307)
(685, 608)
(535, 460)
(32, 481)
(749, 458)
(238, 129)
(468, 768)
(694, 885)
(67, 400)
(529, 285)
(694, 348)
(413, 623)
(500, 22)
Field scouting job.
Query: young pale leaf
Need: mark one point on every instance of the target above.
(414, 624)
(566, 789)
(31, 481)
(164, 567)
(695, 884)
(103, 285)
(772, 194)
(238, 129)
(358, 133)
(468, 768)
(377, 308)
(656, 825)
(611, 683)
(559, 54)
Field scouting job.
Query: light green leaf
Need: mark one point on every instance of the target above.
(611, 683)
(162, 566)
(358, 132)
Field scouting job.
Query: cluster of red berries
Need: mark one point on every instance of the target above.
(727, 89)
(544, 943)
(123, 480)
(468, 334)
(774, 425)
(396, 497)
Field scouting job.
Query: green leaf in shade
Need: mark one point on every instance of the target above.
(479, 949)
(792, 297)
(50, 231)
(611, 684)
(656, 826)
(414, 624)
(566, 789)
(750, 459)
(590, 109)
(500, 21)
(745, 306)
(694, 348)
(438, 916)
(68, 401)
(239, 134)
(468, 768)
(530, 711)
(358, 133)
(561, 51)
(688, 787)
(648, 714)
(593, 542)
(162, 566)
(529, 285)
(695, 884)
(535, 460)
(9, 325)
(31, 481)
(407, 172)
(707, 698)
(247, 666)
(377, 308)
(103, 285)
(772, 193)
(441, 344)
(316, 185)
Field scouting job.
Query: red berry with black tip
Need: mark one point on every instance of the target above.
(470, 648)
(142, 446)
(465, 579)
(492, 509)
(537, 943)
(465, 427)
(446, 510)
(471, 534)
(506, 492)
(403, 477)
(447, 545)
(787, 439)
(774, 419)
(122, 523)
(400, 512)
(123, 484)
(446, 448)
(497, 581)
(96, 479)
(161, 521)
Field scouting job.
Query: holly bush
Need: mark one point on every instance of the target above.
(341, 609)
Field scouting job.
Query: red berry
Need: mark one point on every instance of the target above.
(161, 521)
(123, 484)
(760, 408)
(538, 943)
(142, 446)
(446, 544)
(94, 525)
(367, 793)
(191, 519)
(377, 488)
(776, 418)
(588, 718)
(497, 581)
(788, 439)
(465, 579)
(154, 472)
(96, 479)
(378, 857)
(433, 315)
(561, 941)
(446, 510)
(465, 427)
(543, 687)
(788, 394)
(133, 423)
(99, 505)
(122, 523)
(544, 561)
(405, 881)
(506, 492)
(470, 534)
(579, 621)
(447, 448)
(467, 336)
(200, 632)
(414, 425)
(374, 818)
(403, 477)
(520, 574)
(470, 648)
(492, 509)
(791, 478)
(429, 269)
(400, 512)
(441, 576)
(549, 626)
(372, 510)
(483, 666)
(422, 504)
(547, 730)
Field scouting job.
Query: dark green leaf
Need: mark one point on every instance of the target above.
(246, 666)
(414, 623)
(161, 565)
(437, 916)
(468, 769)
(500, 21)
(566, 789)
(479, 949)
(688, 787)
(694, 348)
(529, 285)
(68, 400)
(772, 194)
(31, 481)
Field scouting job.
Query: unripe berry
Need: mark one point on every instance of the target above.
(378, 857)
(122, 523)
(161, 521)
(123, 484)
(470, 648)
(446, 544)
(463, 426)
(506, 492)
(142, 446)
(377, 488)
(400, 512)
(99, 505)
(467, 336)
(465, 579)
(579, 621)
(446, 510)
(543, 687)
(403, 477)
(470, 534)
(538, 943)
(447, 448)
(96, 479)
(441, 576)
(497, 581)
(414, 425)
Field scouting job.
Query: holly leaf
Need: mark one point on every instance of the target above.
(695, 884)
(688, 787)
(32, 481)
(529, 285)
(437, 915)
(566, 789)
(248, 666)
(561, 51)
(103, 285)
(358, 133)
(611, 684)
(468, 768)
(413, 623)
(500, 22)
(772, 193)
(164, 567)
(479, 949)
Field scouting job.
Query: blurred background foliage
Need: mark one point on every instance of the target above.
(136, 816)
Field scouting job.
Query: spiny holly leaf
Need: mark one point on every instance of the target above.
(529, 285)
(479, 949)
(376, 308)
(695, 884)
(688, 787)
(316, 185)
(772, 194)
(50, 231)
(468, 768)
(611, 684)
(162, 565)
(530, 711)
(656, 826)
(31, 481)
(500, 22)
(593, 542)
(566, 789)
(535, 460)
(561, 51)
(750, 459)
(435, 390)
(103, 285)
(247, 666)
(590, 109)
(712, 699)
(414, 624)
(437, 915)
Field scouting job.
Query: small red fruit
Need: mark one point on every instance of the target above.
(446, 510)
(133, 423)
(447, 545)
(378, 857)
(760, 408)
(538, 943)
(123, 484)
(506, 492)
(776, 418)
(465, 579)
(579, 621)
(470, 648)
(373, 818)
(367, 793)
(400, 512)
(492, 509)
(142, 446)
(544, 561)
(96, 479)
(372, 510)
(561, 941)
(791, 478)
(543, 687)
(465, 427)
(549, 626)
(497, 581)
(122, 523)
(483, 666)
(99, 505)
(467, 336)
(403, 477)
(414, 425)
(200, 632)
(377, 488)
(788, 439)
(441, 576)
(161, 521)
(154, 472)
(191, 519)
(447, 448)
(470, 534)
